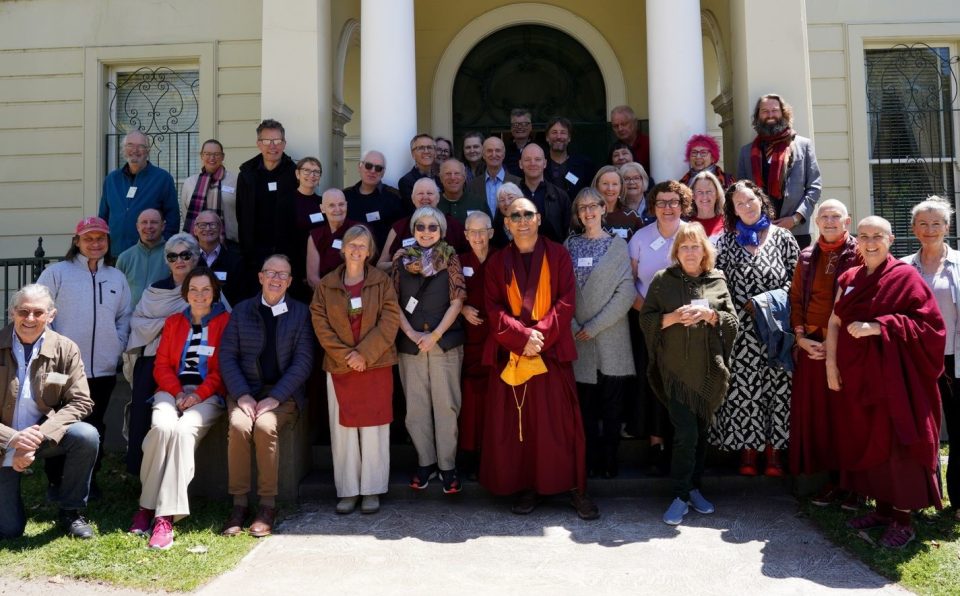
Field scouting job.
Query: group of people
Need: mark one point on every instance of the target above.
(537, 310)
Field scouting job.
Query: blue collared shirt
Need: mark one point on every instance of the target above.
(25, 412)
(493, 185)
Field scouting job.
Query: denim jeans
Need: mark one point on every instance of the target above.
(79, 446)
(689, 448)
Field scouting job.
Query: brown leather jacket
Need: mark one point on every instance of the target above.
(61, 404)
(378, 324)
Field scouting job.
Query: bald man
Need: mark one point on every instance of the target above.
(551, 201)
(484, 187)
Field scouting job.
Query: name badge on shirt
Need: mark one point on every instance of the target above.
(585, 262)
(337, 244)
(848, 290)
(205, 350)
(355, 303)
(279, 309)
(659, 242)
(272, 186)
(622, 232)
(131, 192)
(571, 178)
(55, 378)
(468, 271)
(408, 242)
(227, 189)
(411, 305)
(700, 302)
(316, 217)
(373, 216)
(221, 275)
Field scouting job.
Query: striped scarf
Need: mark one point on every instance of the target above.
(198, 202)
(776, 150)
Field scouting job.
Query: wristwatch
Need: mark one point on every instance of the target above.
(797, 219)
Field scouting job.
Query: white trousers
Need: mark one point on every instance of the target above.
(361, 456)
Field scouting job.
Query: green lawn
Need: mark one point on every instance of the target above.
(115, 556)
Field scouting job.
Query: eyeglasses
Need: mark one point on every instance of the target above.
(206, 226)
(310, 172)
(372, 166)
(427, 227)
(207, 154)
(696, 153)
(24, 313)
(588, 207)
(478, 233)
(136, 147)
(665, 204)
(183, 256)
(519, 124)
(424, 148)
(517, 216)
(272, 142)
(629, 179)
(271, 274)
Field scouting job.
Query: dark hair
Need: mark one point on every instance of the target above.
(310, 159)
(272, 125)
(216, 142)
(730, 217)
(786, 108)
(74, 250)
(517, 112)
(198, 271)
(421, 135)
(564, 122)
(682, 190)
(619, 145)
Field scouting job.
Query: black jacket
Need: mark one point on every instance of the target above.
(264, 216)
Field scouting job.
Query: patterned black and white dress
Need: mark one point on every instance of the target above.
(757, 409)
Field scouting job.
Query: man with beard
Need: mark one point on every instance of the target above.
(784, 165)
(572, 173)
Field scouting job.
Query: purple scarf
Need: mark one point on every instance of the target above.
(198, 202)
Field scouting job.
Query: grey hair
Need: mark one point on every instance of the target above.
(367, 154)
(429, 211)
(426, 180)
(136, 131)
(359, 231)
(932, 203)
(509, 187)
(183, 238)
(839, 206)
(717, 187)
(31, 291)
(481, 215)
(639, 169)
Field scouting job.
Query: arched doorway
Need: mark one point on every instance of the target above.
(535, 67)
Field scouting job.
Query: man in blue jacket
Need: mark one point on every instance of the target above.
(138, 185)
(266, 355)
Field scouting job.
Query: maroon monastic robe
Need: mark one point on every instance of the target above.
(327, 246)
(475, 375)
(550, 458)
(889, 403)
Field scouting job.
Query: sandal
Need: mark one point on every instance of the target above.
(451, 482)
(422, 477)
(868, 521)
(897, 536)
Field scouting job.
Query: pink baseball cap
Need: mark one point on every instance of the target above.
(92, 224)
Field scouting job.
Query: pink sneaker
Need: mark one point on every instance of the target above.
(142, 520)
(162, 537)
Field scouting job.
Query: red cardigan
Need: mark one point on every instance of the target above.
(176, 329)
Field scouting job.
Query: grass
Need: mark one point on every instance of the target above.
(115, 556)
(928, 565)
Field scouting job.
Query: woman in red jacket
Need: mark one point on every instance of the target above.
(187, 403)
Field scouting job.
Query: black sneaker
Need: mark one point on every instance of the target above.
(73, 523)
(451, 481)
(53, 492)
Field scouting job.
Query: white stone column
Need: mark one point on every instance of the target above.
(674, 82)
(388, 85)
(296, 80)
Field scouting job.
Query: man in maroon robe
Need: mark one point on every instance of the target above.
(533, 442)
(885, 346)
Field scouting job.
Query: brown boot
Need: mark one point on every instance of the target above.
(263, 523)
(234, 524)
(774, 462)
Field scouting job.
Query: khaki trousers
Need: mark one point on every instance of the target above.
(431, 383)
(168, 450)
(361, 456)
(262, 436)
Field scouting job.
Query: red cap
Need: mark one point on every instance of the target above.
(92, 224)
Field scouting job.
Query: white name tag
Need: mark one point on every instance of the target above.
(622, 232)
(316, 217)
(56, 378)
(408, 242)
(221, 275)
(227, 189)
(337, 244)
(205, 350)
(658, 243)
(848, 290)
(571, 178)
(411, 305)
(131, 192)
(585, 262)
(279, 309)
(272, 186)
(373, 216)
(700, 302)
(355, 303)
(468, 271)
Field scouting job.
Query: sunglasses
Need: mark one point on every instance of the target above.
(372, 166)
(24, 313)
(518, 216)
(426, 227)
(183, 256)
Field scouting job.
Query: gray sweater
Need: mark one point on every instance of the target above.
(602, 306)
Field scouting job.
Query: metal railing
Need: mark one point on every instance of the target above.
(19, 272)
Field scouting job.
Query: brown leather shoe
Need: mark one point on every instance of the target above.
(263, 523)
(234, 524)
